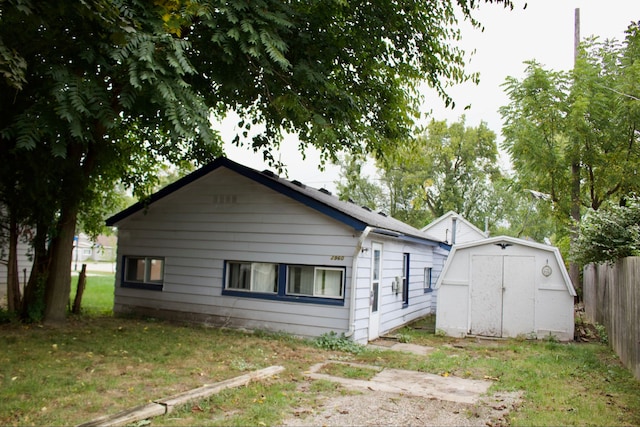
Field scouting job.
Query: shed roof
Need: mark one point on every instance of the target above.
(351, 214)
(509, 241)
(448, 216)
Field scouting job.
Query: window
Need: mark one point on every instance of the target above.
(405, 279)
(315, 281)
(252, 276)
(143, 272)
(428, 272)
(285, 282)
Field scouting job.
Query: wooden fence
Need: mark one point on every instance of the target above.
(611, 296)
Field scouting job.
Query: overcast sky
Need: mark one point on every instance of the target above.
(544, 31)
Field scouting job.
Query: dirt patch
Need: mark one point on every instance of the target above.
(393, 409)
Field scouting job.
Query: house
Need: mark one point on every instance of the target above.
(229, 245)
(505, 287)
(454, 229)
(86, 249)
(24, 255)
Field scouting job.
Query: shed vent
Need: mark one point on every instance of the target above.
(298, 183)
(366, 208)
(269, 173)
(382, 213)
(325, 191)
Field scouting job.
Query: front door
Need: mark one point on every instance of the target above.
(374, 294)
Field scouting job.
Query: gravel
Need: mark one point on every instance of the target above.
(390, 409)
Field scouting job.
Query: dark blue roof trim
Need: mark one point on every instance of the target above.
(444, 246)
(344, 212)
(164, 192)
(262, 178)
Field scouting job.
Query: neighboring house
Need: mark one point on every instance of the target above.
(24, 264)
(230, 245)
(505, 287)
(454, 229)
(85, 249)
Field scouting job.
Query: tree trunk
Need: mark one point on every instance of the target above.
(14, 297)
(58, 286)
(82, 281)
(574, 268)
(33, 301)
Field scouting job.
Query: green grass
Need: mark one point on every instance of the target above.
(346, 370)
(97, 298)
(96, 365)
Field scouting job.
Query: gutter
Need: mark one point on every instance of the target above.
(354, 279)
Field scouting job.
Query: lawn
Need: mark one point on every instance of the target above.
(98, 294)
(97, 364)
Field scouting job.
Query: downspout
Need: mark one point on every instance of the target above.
(354, 279)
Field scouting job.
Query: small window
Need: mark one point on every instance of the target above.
(252, 277)
(405, 279)
(143, 272)
(428, 272)
(315, 281)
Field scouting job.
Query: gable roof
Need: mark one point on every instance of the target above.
(445, 219)
(349, 213)
(509, 241)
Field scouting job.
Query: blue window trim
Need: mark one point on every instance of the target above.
(139, 285)
(281, 295)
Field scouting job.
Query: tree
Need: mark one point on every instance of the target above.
(588, 118)
(97, 91)
(608, 234)
(450, 167)
(356, 187)
(460, 163)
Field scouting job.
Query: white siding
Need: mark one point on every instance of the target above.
(442, 229)
(24, 262)
(531, 303)
(225, 216)
(393, 312)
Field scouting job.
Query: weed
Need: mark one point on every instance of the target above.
(404, 338)
(6, 316)
(333, 341)
(602, 333)
(242, 365)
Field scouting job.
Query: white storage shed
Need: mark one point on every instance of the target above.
(505, 287)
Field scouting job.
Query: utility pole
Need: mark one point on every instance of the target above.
(574, 268)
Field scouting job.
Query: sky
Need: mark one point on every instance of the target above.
(543, 31)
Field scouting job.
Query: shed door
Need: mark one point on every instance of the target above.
(486, 295)
(518, 298)
(502, 295)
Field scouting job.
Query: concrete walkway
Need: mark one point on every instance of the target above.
(410, 383)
